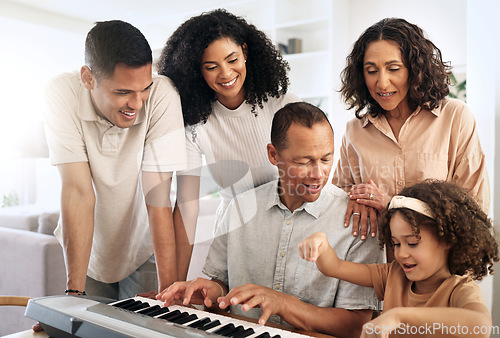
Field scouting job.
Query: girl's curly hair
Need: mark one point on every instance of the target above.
(459, 221)
(428, 77)
(180, 60)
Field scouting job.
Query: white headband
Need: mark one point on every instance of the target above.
(412, 204)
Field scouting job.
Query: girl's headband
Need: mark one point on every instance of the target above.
(412, 204)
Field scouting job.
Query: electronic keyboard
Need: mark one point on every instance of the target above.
(65, 316)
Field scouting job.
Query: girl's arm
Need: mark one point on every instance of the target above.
(317, 249)
(473, 320)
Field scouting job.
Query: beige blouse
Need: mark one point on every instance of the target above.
(441, 144)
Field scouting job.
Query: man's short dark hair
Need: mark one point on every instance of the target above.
(111, 42)
(303, 113)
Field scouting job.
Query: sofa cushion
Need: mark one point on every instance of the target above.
(47, 222)
(22, 217)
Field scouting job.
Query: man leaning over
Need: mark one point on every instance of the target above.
(110, 126)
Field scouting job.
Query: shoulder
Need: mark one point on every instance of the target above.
(464, 290)
(275, 103)
(355, 124)
(455, 109)
(64, 82)
(163, 83)
(334, 193)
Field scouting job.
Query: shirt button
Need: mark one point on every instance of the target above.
(288, 222)
(400, 182)
(277, 286)
(282, 254)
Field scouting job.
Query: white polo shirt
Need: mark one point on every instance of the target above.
(116, 157)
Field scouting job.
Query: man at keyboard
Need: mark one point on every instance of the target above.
(255, 255)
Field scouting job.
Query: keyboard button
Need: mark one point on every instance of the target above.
(199, 323)
(264, 335)
(149, 310)
(158, 312)
(210, 325)
(187, 319)
(138, 306)
(225, 329)
(244, 333)
(123, 303)
(169, 314)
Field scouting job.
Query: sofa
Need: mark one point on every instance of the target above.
(32, 262)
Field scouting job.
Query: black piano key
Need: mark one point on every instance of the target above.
(124, 302)
(199, 323)
(138, 307)
(158, 312)
(178, 316)
(169, 314)
(244, 333)
(186, 319)
(264, 335)
(225, 329)
(131, 305)
(149, 310)
(277, 336)
(235, 331)
(210, 325)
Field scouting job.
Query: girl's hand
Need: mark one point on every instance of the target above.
(382, 326)
(312, 247)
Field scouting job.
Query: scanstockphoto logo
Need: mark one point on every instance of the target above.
(438, 329)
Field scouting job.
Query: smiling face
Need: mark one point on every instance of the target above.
(305, 163)
(424, 260)
(120, 97)
(386, 76)
(223, 68)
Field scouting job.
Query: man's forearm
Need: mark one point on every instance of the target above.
(77, 212)
(332, 321)
(163, 237)
(184, 240)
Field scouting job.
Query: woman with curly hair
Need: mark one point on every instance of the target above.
(231, 80)
(406, 128)
(442, 241)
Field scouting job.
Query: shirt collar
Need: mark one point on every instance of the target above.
(369, 118)
(312, 208)
(87, 111)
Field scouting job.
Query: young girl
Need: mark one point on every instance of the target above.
(442, 242)
(231, 80)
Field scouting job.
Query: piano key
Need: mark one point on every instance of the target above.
(148, 310)
(169, 314)
(130, 305)
(187, 319)
(177, 316)
(246, 333)
(221, 320)
(238, 329)
(264, 335)
(123, 302)
(138, 307)
(225, 329)
(199, 323)
(159, 312)
(210, 325)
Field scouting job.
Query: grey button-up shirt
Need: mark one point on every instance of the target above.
(257, 242)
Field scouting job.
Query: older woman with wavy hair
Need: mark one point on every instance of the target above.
(231, 80)
(406, 128)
